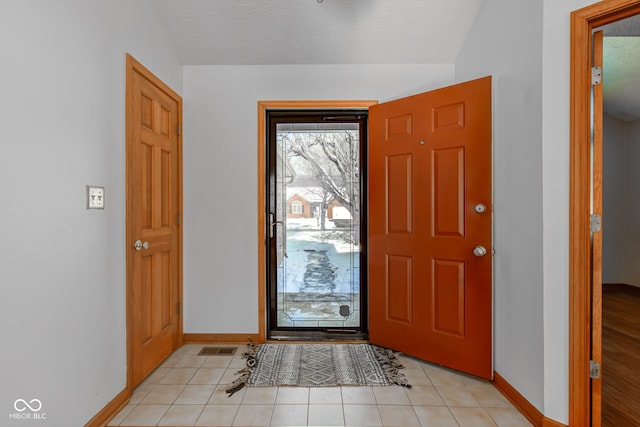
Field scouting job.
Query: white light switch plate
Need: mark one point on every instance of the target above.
(95, 197)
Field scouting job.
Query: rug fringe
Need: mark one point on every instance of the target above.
(245, 373)
(388, 359)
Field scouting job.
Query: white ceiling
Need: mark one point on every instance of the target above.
(261, 32)
(621, 77)
(250, 32)
(621, 71)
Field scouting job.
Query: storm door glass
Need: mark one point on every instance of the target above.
(315, 225)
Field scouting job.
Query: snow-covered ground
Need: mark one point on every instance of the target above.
(303, 235)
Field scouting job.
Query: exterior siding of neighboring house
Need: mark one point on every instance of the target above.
(306, 202)
(299, 207)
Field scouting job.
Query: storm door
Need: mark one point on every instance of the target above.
(315, 220)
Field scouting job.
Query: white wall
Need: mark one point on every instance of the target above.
(555, 177)
(632, 203)
(62, 271)
(62, 267)
(220, 176)
(515, 63)
(614, 200)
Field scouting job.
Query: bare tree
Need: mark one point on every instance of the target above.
(325, 199)
(334, 162)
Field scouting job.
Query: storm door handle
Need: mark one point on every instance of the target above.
(272, 225)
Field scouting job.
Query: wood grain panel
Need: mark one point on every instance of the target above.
(448, 117)
(146, 111)
(399, 194)
(448, 192)
(146, 286)
(399, 286)
(166, 172)
(164, 298)
(399, 126)
(146, 175)
(448, 297)
(165, 122)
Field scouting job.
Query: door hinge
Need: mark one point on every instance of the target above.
(594, 369)
(179, 220)
(596, 75)
(596, 223)
(178, 129)
(179, 308)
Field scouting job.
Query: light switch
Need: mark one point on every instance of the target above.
(95, 197)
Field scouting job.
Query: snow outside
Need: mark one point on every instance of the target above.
(318, 193)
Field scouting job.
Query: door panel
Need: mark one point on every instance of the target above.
(153, 205)
(430, 165)
(399, 286)
(448, 297)
(399, 212)
(448, 192)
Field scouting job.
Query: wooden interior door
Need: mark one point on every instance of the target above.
(596, 236)
(153, 224)
(430, 206)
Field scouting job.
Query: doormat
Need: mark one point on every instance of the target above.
(217, 351)
(319, 365)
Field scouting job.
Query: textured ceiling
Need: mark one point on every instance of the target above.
(621, 77)
(259, 32)
(251, 32)
(621, 73)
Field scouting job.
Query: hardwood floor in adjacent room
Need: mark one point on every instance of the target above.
(621, 358)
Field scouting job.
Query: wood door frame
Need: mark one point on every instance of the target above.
(596, 238)
(263, 106)
(583, 21)
(133, 66)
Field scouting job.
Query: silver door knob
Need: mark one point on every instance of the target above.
(479, 251)
(139, 245)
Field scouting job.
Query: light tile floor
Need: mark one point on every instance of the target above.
(188, 390)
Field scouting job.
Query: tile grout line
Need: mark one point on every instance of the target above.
(455, 381)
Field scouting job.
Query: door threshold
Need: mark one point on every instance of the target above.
(319, 336)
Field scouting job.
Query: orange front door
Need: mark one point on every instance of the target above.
(430, 286)
(153, 229)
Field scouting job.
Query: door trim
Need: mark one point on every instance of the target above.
(263, 106)
(133, 66)
(583, 21)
